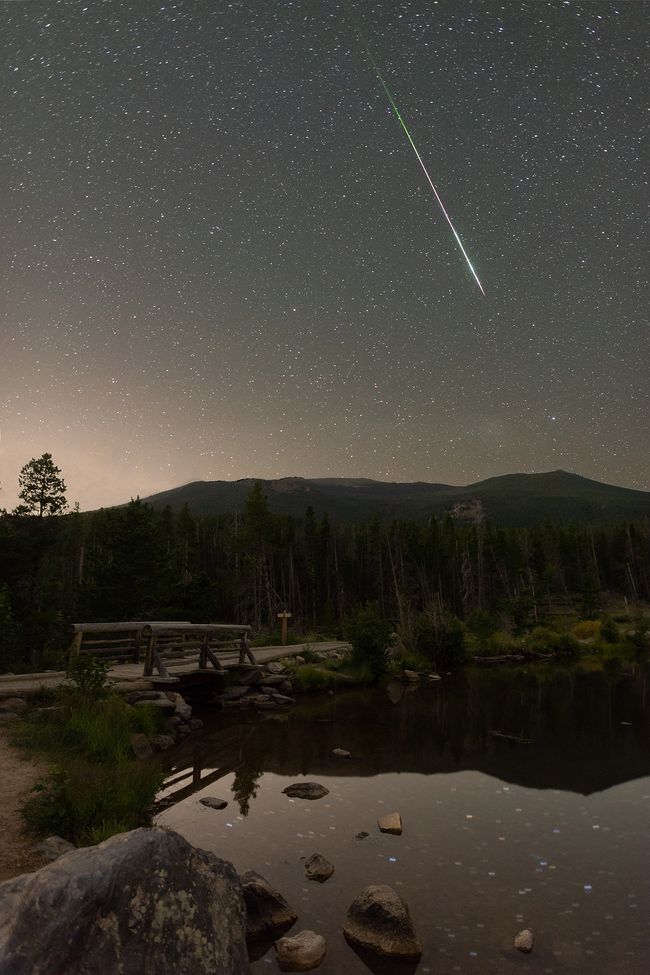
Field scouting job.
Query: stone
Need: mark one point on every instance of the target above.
(274, 667)
(234, 692)
(286, 687)
(362, 835)
(392, 823)
(213, 803)
(341, 753)
(300, 953)
(141, 746)
(282, 698)
(251, 676)
(133, 696)
(162, 703)
(267, 912)
(300, 660)
(306, 790)
(13, 705)
(267, 705)
(432, 676)
(411, 675)
(379, 921)
(195, 724)
(183, 710)
(141, 899)
(524, 941)
(7, 718)
(52, 848)
(318, 868)
(161, 743)
(273, 680)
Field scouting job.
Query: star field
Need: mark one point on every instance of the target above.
(220, 258)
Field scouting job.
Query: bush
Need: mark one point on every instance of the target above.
(369, 634)
(587, 630)
(609, 630)
(544, 640)
(441, 642)
(88, 678)
(482, 624)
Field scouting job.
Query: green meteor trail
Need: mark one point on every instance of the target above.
(424, 168)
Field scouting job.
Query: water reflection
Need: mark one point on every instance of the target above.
(498, 835)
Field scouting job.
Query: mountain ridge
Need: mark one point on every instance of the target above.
(511, 499)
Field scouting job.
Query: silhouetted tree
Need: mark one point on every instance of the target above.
(42, 489)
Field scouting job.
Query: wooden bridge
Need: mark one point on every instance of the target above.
(163, 644)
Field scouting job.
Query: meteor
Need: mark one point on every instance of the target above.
(419, 159)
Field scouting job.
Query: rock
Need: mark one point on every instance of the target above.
(141, 746)
(525, 940)
(7, 718)
(161, 743)
(318, 868)
(273, 680)
(362, 835)
(213, 803)
(195, 724)
(52, 848)
(162, 703)
(286, 687)
(379, 920)
(183, 710)
(144, 899)
(432, 676)
(13, 705)
(267, 705)
(250, 676)
(184, 729)
(306, 790)
(411, 675)
(235, 692)
(300, 660)
(268, 914)
(133, 696)
(392, 823)
(274, 667)
(282, 698)
(300, 953)
(341, 753)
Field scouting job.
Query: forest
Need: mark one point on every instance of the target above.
(434, 580)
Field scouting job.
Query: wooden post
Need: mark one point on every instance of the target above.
(75, 646)
(284, 616)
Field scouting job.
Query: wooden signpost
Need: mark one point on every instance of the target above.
(284, 616)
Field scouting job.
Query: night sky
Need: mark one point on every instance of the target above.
(220, 258)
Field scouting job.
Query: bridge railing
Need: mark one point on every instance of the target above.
(161, 640)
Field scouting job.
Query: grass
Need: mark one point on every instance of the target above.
(95, 788)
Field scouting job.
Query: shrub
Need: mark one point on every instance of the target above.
(609, 630)
(441, 641)
(88, 678)
(544, 640)
(482, 624)
(587, 630)
(369, 634)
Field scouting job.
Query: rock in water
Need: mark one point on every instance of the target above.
(268, 914)
(300, 953)
(144, 898)
(525, 940)
(379, 921)
(318, 868)
(392, 823)
(341, 753)
(213, 803)
(306, 790)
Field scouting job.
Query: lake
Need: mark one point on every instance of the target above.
(525, 800)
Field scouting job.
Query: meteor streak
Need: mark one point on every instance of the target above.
(424, 168)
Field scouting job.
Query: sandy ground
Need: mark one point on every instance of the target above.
(18, 775)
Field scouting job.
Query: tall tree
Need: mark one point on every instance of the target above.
(42, 489)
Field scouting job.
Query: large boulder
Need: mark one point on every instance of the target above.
(379, 921)
(300, 953)
(144, 900)
(268, 914)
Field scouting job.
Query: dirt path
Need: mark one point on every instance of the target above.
(18, 776)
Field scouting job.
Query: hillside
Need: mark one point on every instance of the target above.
(512, 499)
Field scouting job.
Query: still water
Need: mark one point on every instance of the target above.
(525, 801)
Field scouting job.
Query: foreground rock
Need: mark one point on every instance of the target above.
(525, 941)
(306, 790)
(141, 900)
(379, 921)
(318, 868)
(268, 914)
(300, 953)
(342, 753)
(392, 823)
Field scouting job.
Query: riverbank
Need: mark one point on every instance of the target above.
(19, 775)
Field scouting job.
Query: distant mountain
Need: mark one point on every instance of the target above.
(512, 499)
